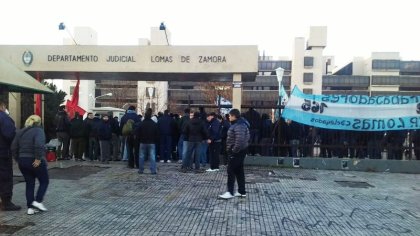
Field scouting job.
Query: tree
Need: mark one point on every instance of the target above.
(51, 104)
(213, 90)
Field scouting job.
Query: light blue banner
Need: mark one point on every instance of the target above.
(380, 113)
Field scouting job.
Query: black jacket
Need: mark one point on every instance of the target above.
(195, 130)
(148, 132)
(62, 122)
(7, 133)
(77, 128)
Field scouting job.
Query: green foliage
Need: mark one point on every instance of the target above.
(51, 103)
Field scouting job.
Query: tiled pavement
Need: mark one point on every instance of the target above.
(118, 201)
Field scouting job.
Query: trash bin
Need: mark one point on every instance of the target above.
(50, 154)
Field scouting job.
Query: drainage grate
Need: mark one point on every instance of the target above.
(354, 184)
(74, 172)
(308, 178)
(10, 229)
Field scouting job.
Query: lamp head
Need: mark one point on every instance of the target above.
(61, 26)
(162, 26)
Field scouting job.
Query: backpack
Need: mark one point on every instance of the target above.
(128, 128)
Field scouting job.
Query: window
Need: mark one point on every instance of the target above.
(308, 78)
(72, 89)
(308, 61)
(385, 64)
(187, 87)
(307, 91)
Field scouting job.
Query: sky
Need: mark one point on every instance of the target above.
(355, 28)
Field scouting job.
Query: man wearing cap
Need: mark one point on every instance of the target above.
(236, 144)
(214, 141)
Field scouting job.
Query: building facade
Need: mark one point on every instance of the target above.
(383, 73)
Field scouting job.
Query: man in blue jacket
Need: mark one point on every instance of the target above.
(131, 114)
(7, 133)
(214, 141)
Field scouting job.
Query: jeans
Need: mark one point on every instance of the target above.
(180, 146)
(148, 150)
(115, 146)
(192, 147)
(165, 147)
(105, 150)
(6, 176)
(63, 149)
(235, 170)
(214, 154)
(203, 152)
(30, 174)
(93, 148)
(78, 146)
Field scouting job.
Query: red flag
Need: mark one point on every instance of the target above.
(38, 100)
(75, 97)
(72, 106)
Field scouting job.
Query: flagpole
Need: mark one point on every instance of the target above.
(279, 73)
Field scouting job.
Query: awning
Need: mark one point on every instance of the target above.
(13, 79)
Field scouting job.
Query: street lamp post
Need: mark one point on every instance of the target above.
(62, 26)
(94, 98)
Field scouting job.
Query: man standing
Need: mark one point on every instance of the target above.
(148, 135)
(167, 126)
(236, 144)
(196, 133)
(7, 133)
(130, 118)
(62, 128)
(254, 119)
(214, 141)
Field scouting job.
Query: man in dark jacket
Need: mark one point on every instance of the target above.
(167, 128)
(215, 141)
(77, 135)
(196, 133)
(92, 123)
(254, 119)
(129, 138)
(62, 128)
(105, 137)
(148, 135)
(182, 139)
(7, 133)
(237, 144)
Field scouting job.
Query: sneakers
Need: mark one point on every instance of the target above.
(161, 161)
(237, 194)
(32, 211)
(226, 196)
(212, 170)
(169, 161)
(39, 206)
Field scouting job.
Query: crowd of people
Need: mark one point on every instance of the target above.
(201, 137)
(195, 139)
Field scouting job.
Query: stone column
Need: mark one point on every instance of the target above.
(237, 91)
(15, 108)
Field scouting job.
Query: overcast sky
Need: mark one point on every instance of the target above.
(355, 27)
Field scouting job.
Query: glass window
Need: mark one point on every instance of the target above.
(307, 91)
(308, 77)
(308, 61)
(385, 64)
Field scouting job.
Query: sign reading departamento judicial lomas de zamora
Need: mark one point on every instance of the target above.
(149, 59)
(354, 112)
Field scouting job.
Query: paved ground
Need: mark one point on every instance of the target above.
(117, 201)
